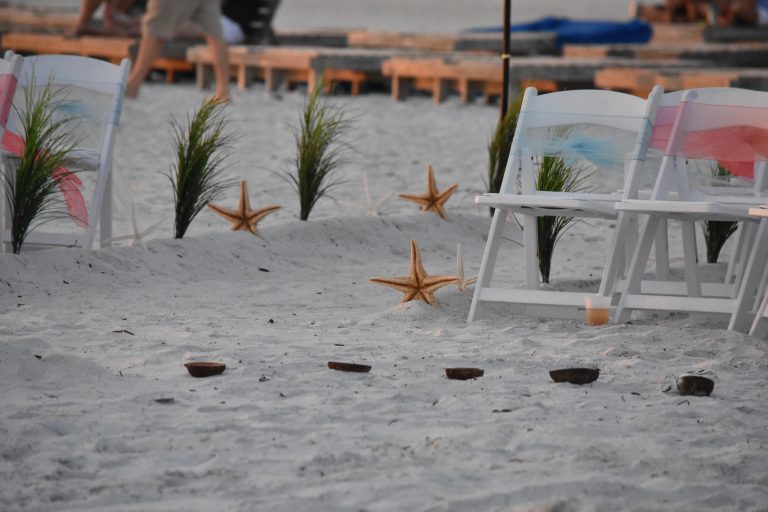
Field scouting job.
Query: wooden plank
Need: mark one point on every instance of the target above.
(439, 74)
(678, 33)
(735, 34)
(641, 81)
(580, 71)
(636, 81)
(328, 38)
(720, 54)
(104, 47)
(520, 43)
(15, 18)
(402, 40)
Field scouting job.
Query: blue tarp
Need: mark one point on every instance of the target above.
(584, 32)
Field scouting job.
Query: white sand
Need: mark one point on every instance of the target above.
(80, 428)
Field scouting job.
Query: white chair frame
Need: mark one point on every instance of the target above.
(674, 198)
(102, 77)
(632, 114)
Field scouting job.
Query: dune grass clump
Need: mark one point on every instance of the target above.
(201, 146)
(320, 150)
(500, 144)
(33, 181)
(717, 232)
(555, 176)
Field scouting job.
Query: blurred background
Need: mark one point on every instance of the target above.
(411, 15)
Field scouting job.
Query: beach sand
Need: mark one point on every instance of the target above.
(92, 340)
(97, 411)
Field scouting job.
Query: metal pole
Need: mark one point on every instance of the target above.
(505, 61)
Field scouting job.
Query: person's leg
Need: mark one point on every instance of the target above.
(149, 50)
(87, 8)
(220, 66)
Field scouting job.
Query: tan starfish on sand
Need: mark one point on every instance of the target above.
(417, 285)
(461, 283)
(243, 218)
(433, 200)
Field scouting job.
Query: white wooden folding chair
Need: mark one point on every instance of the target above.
(709, 125)
(9, 76)
(755, 280)
(94, 92)
(604, 128)
(664, 121)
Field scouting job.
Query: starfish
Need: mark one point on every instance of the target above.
(461, 283)
(417, 285)
(372, 207)
(243, 218)
(433, 200)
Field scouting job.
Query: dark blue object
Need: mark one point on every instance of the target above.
(584, 31)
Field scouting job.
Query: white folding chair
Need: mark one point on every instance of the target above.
(726, 126)
(9, 76)
(607, 130)
(757, 272)
(664, 121)
(94, 92)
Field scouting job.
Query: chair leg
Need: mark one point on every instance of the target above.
(662, 252)
(750, 231)
(618, 255)
(730, 271)
(489, 259)
(105, 222)
(530, 245)
(760, 325)
(636, 268)
(692, 281)
(751, 282)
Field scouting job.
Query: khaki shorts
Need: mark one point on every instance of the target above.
(164, 18)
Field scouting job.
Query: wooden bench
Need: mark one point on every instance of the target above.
(14, 18)
(641, 81)
(274, 65)
(720, 54)
(574, 73)
(523, 43)
(438, 74)
(113, 49)
(289, 65)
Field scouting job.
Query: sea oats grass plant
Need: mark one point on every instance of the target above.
(33, 179)
(555, 175)
(201, 146)
(717, 232)
(320, 150)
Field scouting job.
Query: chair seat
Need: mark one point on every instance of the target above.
(690, 210)
(541, 205)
